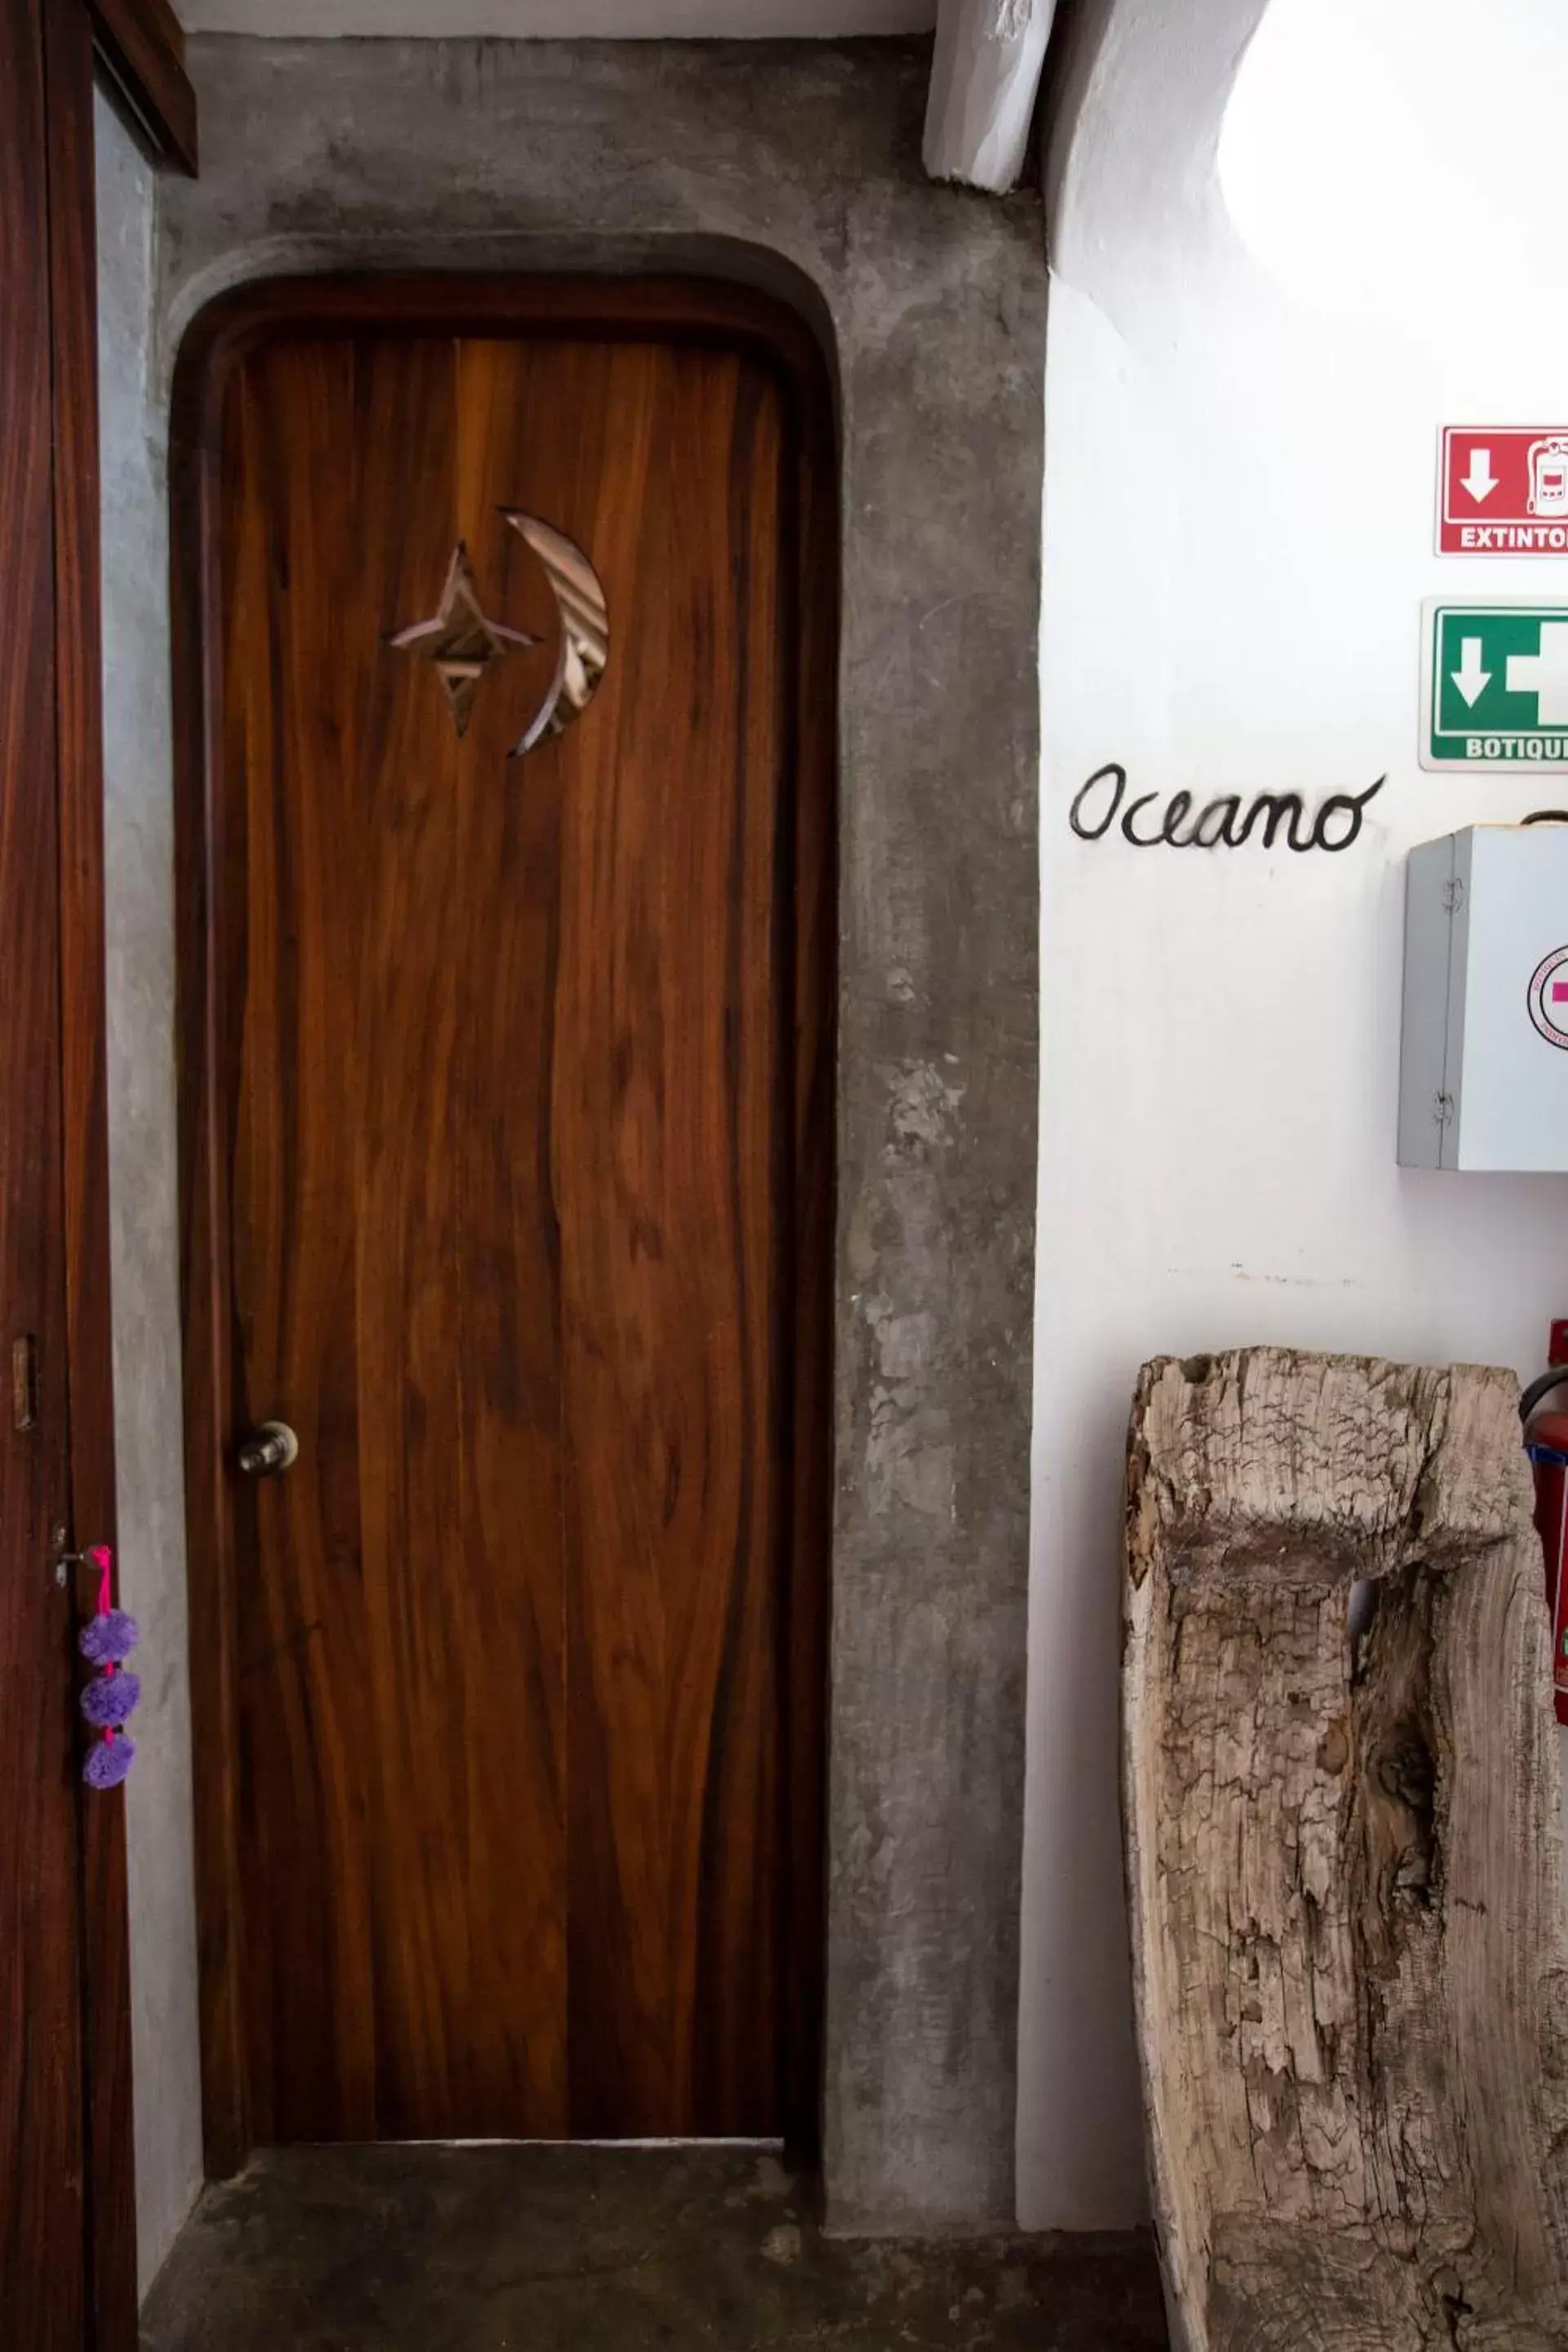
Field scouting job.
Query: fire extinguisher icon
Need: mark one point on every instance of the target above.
(1546, 1442)
(1548, 476)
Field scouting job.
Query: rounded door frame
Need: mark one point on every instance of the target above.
(680, 309)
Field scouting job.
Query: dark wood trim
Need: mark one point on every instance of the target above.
(110, 2201)
(142, 46)
(203, 1117)
(696, 309)
(814, 953)
(692, 310)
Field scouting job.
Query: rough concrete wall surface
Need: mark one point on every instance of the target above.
(799, 167)
(139, 852)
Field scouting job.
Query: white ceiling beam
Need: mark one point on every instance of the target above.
(985, 77)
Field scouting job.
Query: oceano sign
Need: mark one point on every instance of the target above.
(1220, 824)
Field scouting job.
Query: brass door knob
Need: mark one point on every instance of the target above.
(271, 1446)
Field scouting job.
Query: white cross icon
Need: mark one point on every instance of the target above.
(1544, 675)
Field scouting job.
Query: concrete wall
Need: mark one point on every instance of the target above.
(1259, 318)
(635, 20)
(139, 850)
(799, 168)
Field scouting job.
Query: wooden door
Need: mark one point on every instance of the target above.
(41, 2207)
(67, 2209)
(521, 1657)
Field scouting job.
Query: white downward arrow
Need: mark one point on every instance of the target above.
(1481, 481)
(1470, 677)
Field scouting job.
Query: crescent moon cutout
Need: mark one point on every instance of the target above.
(585, 619)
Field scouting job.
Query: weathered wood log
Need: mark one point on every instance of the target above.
(1344, 1859)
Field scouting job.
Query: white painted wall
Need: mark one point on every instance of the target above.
(1253, 340)
(143, 1231)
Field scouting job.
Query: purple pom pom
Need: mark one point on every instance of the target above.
(108, 1761)
(109, 1638)
(109, 1699)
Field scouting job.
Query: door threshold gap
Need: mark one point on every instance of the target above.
(752, 2147)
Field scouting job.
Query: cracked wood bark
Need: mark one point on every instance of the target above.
(1343, 1860)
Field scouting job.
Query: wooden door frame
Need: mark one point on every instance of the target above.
(73, 35)
(688, 310)
(102, 1913)
(140, 46)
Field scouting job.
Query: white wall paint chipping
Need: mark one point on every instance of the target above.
(1240, 482)
(149, 1448)
(538, 20)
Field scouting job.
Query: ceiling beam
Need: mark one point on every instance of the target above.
(985, 74)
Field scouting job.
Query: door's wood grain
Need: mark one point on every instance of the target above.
(304, 1746)
(110, 2168)
(506, 1277)
(495, 1081)
(665, 1110)
(402, 1893)
(42, 2214)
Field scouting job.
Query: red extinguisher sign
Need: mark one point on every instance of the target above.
(1546, 1442)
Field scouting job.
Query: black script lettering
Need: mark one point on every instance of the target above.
(1220, 824)
(1276, 809)
(1180, 803)
(1355, 802)
(1139, 840)
(1075, 814)
(1227, 809)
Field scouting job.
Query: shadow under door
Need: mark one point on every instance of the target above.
(505, 836)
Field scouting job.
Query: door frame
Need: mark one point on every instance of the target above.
(687, 310)
(66, 38)
(72, 37)
(103, 1909)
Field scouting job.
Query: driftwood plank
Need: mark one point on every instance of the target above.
(1343, 1858)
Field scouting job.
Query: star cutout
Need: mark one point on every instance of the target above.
(460, 639)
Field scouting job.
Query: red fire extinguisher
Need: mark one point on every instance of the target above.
(1546, 1442)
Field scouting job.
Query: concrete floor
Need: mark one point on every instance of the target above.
(594, 2250)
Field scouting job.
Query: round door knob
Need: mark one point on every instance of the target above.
(271, 1446)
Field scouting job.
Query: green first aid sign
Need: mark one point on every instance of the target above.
(1495, 686)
